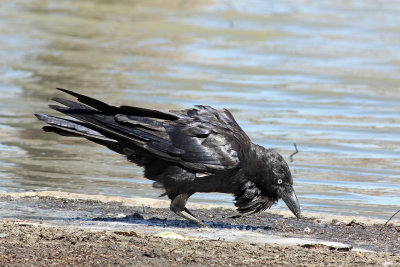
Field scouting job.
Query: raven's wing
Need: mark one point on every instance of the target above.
(202, 139)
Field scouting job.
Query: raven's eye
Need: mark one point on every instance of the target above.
(279, 181)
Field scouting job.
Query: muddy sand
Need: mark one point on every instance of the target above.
(63, 229)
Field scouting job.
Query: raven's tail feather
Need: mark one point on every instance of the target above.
(128, 110)
(67, 127)
(118, 128)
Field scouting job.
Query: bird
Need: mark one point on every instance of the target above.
(199, 149)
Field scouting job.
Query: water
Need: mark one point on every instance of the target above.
(324, 76)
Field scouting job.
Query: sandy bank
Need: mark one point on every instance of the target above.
(56, 228)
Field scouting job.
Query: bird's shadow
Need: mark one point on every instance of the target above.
(137, 218)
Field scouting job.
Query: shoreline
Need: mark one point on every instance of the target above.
(59, 228)
(160, 203)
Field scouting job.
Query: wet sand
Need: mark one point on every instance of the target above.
(51, 228)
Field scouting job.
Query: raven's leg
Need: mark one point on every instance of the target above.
(178, 206)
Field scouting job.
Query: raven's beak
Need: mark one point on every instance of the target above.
(288, 195)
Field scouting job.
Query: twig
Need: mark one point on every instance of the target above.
(390, 219)
(294, 153)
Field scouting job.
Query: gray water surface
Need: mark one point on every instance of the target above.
(324, 76)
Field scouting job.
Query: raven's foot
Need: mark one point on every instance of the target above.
(178, 207)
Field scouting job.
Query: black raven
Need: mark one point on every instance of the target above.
(186, 151)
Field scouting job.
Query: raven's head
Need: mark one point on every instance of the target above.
(278, 180)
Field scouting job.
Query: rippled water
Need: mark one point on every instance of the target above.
(323, 76)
